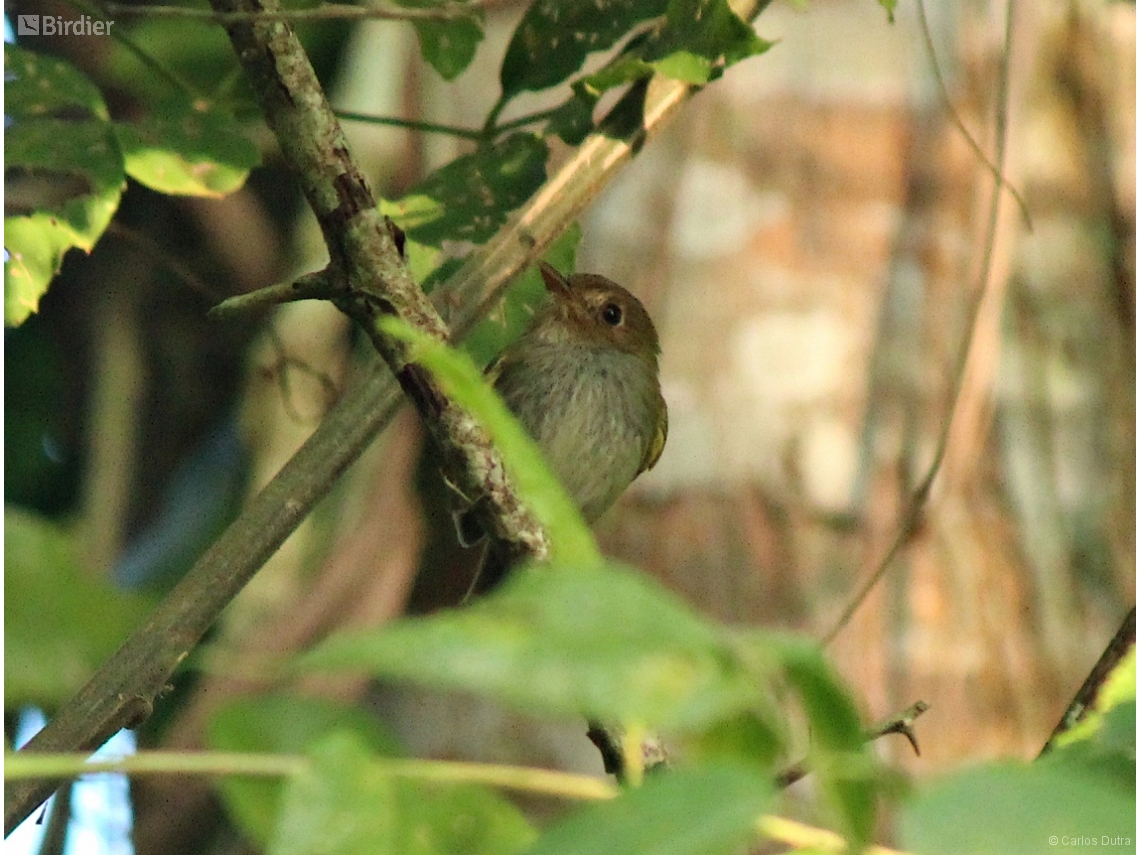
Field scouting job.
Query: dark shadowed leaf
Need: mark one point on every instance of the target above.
(449, 45)
(555, 37)
(701, 39)
(469, 199)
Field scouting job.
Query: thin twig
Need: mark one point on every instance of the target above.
(446, 130)
(411, 125)
(317, 285)
(903, 723)
(169, 260)
(928, 42)
(913, 515)
(523, 779)
(327, 12)
(281, 367)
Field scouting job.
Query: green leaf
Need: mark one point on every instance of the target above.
(449, 45)
(574, 120)
(197, 151)
(756, 736)
(1021, 809)
(80, 158)
(59, 624)
(554, 38)
(600, 642)
(35, 246)
(1117, 733)
(698, 40)
(701, 39)
(570, 538)
(37, 85)
(339, 805)
(889, 7)
(839, 756)
(345, 804)
(624, 69)
(63, 173)
(699, 811)
(286, 724)
(198, 54)
(471, 197)
(831, 712)
(686, 67)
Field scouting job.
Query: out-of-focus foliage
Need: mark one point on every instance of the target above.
(284, 724)
(59, 624)
(1079, 797)
(344, 804)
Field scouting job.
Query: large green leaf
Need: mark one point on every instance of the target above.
(699, 40)
(63, 173)
(189, 150)
(345, 804)
(1080, 797)
(66, 164)
(599, 642)
(699, 811)
(1022, 809)
(59, 623)
(37, 85)
(35, 246)
(285, 724)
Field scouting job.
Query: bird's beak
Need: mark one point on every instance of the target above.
(556, 283)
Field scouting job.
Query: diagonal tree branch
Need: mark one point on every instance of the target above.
(365, 260)
(1118, 647)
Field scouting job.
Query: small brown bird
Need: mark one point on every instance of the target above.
(583, 381)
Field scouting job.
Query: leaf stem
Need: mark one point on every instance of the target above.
(23, 766)
(410, 124)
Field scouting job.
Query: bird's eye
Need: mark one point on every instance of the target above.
(611, 314)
